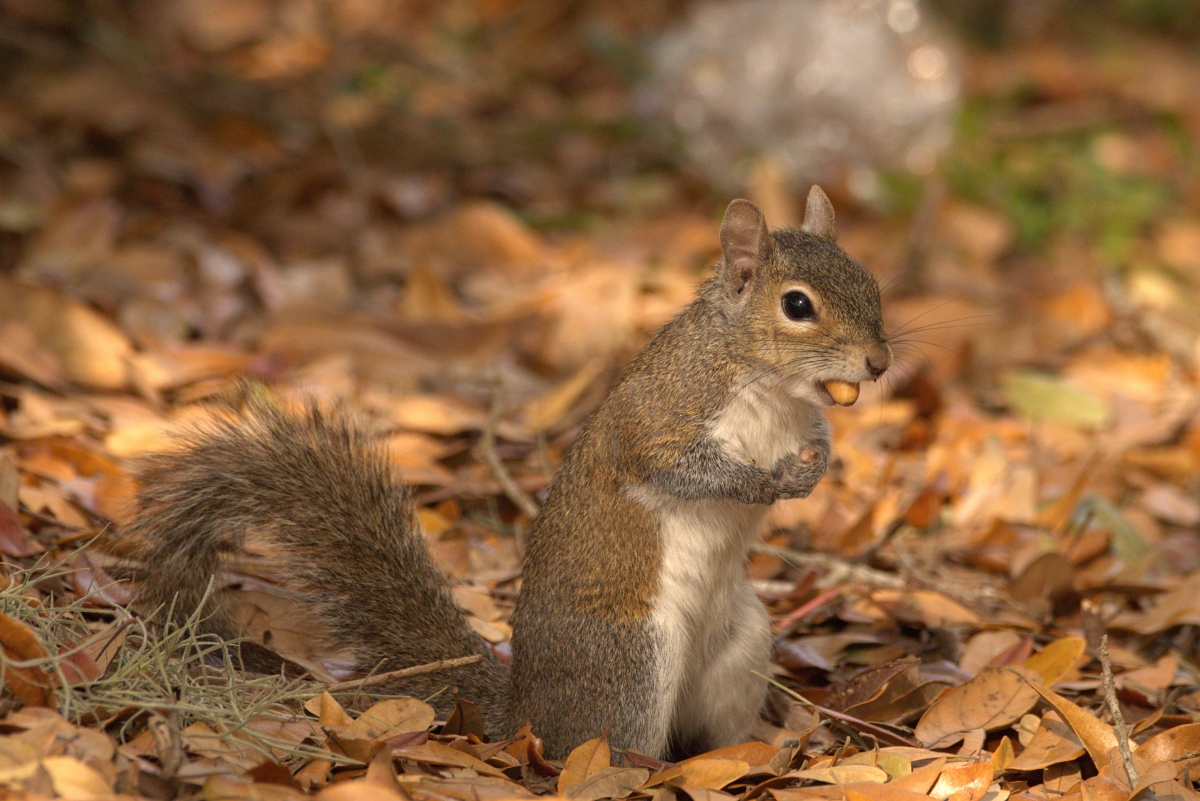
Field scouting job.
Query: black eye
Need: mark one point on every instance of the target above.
(797, 306)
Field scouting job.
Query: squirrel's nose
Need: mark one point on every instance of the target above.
(879, 359)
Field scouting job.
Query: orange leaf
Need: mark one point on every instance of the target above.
(1003, 755)
(1171, 745)
(586, 759)
(1052, 744)
(921, 779)
(1097, 737)
(1053, 661)
(753, 754)
(868, 791)
(968, 783)
(30, 684)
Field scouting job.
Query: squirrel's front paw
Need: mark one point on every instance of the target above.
(797, 473)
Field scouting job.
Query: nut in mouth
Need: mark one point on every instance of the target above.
(843, 393)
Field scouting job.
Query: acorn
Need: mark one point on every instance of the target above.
(843, 392)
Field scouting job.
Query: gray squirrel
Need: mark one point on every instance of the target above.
(634, 617)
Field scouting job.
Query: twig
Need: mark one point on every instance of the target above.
(404, 673)
(1110, 698)
(487, 445)
(837, 571)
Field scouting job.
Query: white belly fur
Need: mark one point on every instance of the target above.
(713, 630)
(764, 423)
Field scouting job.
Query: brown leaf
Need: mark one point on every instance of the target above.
(905, 695)
(1053, 661)
(843, 774)
(328, 711)
(30, 684)
(1097, 737)
(1103, 788)
(434, 753)
(752, 753)
(77, 666)
(586, 759)
(612, 782)
(867, 685)
(930, 608)
(382, 771)
(435, 414)
(992, 700)
(709, 774)
(75, 779)
(358, 791)
(921, 779)
(1178, 607)
(1156, 678)
(968, 783)
(1052, 743)
(92, 351)
(10, 481)
(869, 791)
(1158, 774)
(545, 412)
(391, 717)
(14, 539)
(21, 354)
(1172, 744)
(985, 646)
(94, 584)
(1003, 756)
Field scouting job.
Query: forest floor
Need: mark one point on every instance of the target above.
(1023, 484)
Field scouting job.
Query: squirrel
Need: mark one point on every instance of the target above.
(634, 617)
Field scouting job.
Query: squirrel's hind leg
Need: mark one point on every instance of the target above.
(723, 696)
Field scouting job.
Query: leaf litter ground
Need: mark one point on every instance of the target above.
(1023, 485)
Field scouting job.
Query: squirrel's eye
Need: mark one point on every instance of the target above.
(798, 306)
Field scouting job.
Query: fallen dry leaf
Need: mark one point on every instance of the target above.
(389, 718)
(992, 700)
(1053, 743)
(434, 753)
(93, 352)
(31, 684)
(1097, 737)
(611, 782)
(843, 774)
(1054, 660)
(967, 783)
(582, 762)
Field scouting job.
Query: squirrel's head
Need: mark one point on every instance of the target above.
(810, 314)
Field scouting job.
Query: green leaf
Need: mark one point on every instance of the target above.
(1046, 397)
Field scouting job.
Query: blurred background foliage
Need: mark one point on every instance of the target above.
(321, 128)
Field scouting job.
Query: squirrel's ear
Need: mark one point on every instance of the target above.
(744, 240)
(818, 215)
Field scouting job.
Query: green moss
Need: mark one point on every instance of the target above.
(1052, 182)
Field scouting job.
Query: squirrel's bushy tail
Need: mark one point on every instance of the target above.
(316, 499)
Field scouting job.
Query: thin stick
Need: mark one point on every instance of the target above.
(1110, 698)
(837, 570)
(487, 445)
(404, 673)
